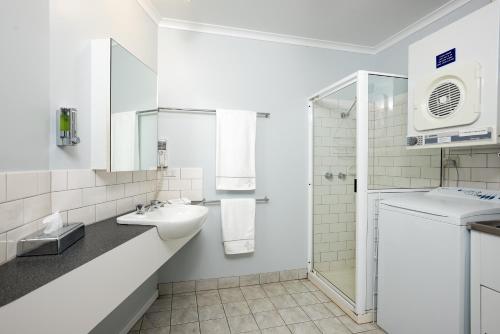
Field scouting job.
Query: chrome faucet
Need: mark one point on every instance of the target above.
(141, 209)
(155, 204)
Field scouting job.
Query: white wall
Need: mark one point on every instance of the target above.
(395, 58)
(209, 71)
(24, 84)
(73, 23)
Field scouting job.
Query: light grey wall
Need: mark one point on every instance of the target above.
(395, 58)
(73, 24)
(24, 84)
(209, 71)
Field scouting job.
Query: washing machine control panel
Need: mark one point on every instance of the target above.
(468, 193)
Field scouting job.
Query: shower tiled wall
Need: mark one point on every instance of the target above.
(390, 164)
(334, 204)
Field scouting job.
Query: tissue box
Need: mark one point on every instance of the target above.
(54, 243)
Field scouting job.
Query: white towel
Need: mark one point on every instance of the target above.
(235, 157)
(124, 134)
(238, 225)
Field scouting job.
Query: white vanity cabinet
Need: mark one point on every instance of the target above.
(485, 281)
(100, 104)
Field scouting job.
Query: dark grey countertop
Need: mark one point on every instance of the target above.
(25, 274)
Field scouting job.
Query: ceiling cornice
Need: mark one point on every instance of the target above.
(430, 18)
(261, 35)
(151, 10)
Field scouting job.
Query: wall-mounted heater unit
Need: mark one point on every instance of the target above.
(453, 87)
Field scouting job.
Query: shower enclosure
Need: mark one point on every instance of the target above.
(358, 156)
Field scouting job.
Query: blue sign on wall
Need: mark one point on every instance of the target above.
(445, 58)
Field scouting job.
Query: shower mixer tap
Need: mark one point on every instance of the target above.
(340, 176)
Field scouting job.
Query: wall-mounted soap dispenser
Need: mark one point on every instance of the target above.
(66, 127)
(162, 154)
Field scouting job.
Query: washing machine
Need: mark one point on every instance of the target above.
(423, 259)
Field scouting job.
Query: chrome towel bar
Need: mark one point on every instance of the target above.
(196, 111)
(215, 202)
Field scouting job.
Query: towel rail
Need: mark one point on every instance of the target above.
(210, 111)
(217, 201)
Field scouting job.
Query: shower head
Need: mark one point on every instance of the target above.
(346, 114)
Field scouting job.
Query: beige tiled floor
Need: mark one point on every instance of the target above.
(286, 307)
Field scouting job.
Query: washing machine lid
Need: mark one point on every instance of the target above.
(458, 205)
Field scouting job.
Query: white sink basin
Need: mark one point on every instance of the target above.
(171, 221)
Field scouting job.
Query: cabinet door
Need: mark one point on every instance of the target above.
(490, 304)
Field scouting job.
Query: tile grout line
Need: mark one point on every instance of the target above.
(171, 309)
(223, 308)
(253, 316)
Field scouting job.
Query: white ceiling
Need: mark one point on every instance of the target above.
(359, 22)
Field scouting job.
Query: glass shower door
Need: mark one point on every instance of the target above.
(334, 187)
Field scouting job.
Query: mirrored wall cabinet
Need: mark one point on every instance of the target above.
(124, 111)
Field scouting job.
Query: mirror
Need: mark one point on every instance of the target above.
(134, 113)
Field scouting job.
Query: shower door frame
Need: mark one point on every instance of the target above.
(356, 310)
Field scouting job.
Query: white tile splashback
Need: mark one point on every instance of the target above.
(81, 196)
(181, 182)
(67, 200)
(92, 196)
(3, 247)
(84, 215)
(80, 178)
(478, 167)
(11, 215)
(21, 185)
(3, 187)
(59, 180)
(103, 178)
(37, 207)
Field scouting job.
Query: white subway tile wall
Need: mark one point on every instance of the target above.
(476, 167)
(334, 199)
(59, 180)
(181, 182)
(21, 185)
(80, 178)
(37, 207)
(3, 246)
(123, 177)
(3, 187)
(83, 196)
(390, 164)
